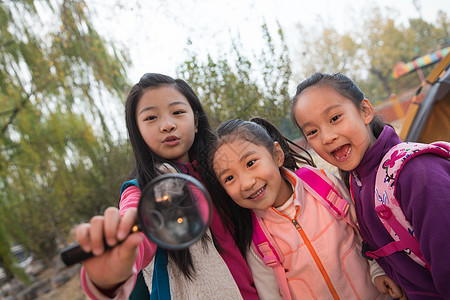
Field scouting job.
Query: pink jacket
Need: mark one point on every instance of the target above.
(319, 241)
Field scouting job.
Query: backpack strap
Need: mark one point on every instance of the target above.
(127, 184)
(387, 206)
(265, 247)
(322, 188)
(160, 278)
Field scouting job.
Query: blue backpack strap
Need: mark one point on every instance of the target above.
(127, 184)
(266, 250)
(160, 279)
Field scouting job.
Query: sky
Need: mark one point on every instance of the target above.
(156, 32)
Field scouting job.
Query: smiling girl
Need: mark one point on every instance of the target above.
(168, 131)
(338, 122)
(321, 255)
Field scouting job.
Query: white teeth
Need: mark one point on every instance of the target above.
(346, 153)
(257, 194)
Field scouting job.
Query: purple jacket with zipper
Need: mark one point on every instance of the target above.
(423, 191)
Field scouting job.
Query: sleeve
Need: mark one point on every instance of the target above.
(423, 190)
(122, 292)
(130, 198)
(375, 270)
(263, 277)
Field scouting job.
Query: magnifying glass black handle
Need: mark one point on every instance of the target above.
(73, 254)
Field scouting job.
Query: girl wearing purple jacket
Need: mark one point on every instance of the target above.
(339, 124)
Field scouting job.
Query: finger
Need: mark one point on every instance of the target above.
(382, 289)
(112, 219)
(97, 235)
(83, 237)
(380, 284)
(130, 245)
(393, 294)
(127, 221)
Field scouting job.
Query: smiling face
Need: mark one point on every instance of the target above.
(166, 122)
(335, 128)
(250, 174)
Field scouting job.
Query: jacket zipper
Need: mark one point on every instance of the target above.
(355, 175)
(316, 257)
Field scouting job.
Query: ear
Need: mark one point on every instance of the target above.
(196, 122)
(278, 154)
(367, 111)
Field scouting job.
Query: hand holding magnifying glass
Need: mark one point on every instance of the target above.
(174, 212)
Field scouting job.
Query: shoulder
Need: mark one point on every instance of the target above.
(129, 198)
(339, 184)
(426, 176)
(425, 165)
(166, 168)
(414, 165)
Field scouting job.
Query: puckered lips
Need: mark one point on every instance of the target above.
(341, 153)
(171, 140)
(258, 194)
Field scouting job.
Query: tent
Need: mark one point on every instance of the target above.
(401, 68)
(428, 120)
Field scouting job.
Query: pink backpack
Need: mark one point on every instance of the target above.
(323, 189)
(387, 206)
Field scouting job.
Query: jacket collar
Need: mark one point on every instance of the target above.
(372, 158)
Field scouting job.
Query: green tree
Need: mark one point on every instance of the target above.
(385, 42)
(368, 55)
(327, 51)
(56, 74)
(234, 86)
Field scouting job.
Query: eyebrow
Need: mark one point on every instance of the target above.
(326, 111)
(247, 155)
(241, 159)
(170, 104)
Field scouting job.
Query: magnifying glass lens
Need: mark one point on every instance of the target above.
(174, 211)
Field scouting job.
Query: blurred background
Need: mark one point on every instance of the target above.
(67, 66)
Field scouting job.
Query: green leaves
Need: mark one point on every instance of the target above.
(369, 52)
(56, 72)
(235, 86)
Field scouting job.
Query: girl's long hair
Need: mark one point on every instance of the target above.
(259, 132)
(147, 162)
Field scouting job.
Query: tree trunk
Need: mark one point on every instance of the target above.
(384, 80)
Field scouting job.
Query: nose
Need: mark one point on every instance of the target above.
(329, 136)
(247, 182)
(167, 125)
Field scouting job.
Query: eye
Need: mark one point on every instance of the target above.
(311, 132)
(178, 112)
(335, 118)
(229, 178)
(251, 163)
(149, 118)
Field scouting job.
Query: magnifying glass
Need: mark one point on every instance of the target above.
(174, 212)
